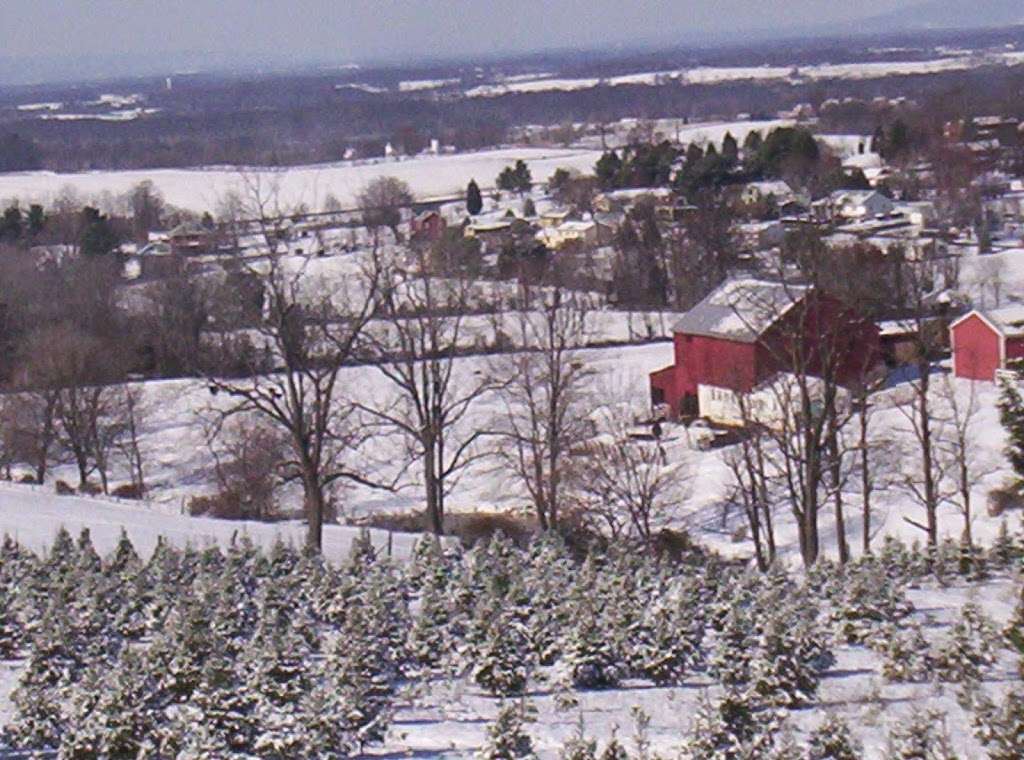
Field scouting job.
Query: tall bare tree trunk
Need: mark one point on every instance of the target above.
(865, 480)
(315, 509)
(835, 471)
(931, 496)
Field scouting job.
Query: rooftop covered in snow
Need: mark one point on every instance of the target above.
(741, 309)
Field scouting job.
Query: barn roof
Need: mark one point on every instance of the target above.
(1009, 320)
(741, 309)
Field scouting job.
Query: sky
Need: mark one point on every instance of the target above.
(361, 30)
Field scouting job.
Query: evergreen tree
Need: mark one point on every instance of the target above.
(501, 660)
(221, 706)
(668, 645)
(906, 654)
(999, 727)
(10, 626)
(36, 219)
(11, 225)
(832, 740)
(923, 737)
(516, 178)
(790, 658)
(607, 170)
(578, 746)
(359, 667)
(474, 199)
(590, 659)
(1004, 551)
(506, 739)
(97, 237)
(970, 648)
(45, 684)
(731, 729)
(730, 148)
(1011, 415)
(115, 715)
(548, 576)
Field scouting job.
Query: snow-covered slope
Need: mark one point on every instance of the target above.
(33, 514)
(199, 189)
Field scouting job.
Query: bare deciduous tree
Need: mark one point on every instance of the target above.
(248, 455)
(132, 410)
(628, 485)
(382, 201)
(311, 340)
(754, 484)
(924, 483)
(545, 398)
(415, 347)
(958, 448)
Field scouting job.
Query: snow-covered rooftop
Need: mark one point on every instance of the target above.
(741, 309)
(1009, 320)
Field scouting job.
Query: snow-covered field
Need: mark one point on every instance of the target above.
(32, 515)
(452, 721)
(179, 465)
(200, 189)
(721, 74)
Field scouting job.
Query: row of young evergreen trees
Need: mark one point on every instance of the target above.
(246, 653)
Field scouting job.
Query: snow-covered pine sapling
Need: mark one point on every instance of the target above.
(590, 658)
(906, 654)
(578, 746)
(1011, 415)
(922, 737)
(868, 599)
(833, 740)
(364, 666)
(733, 652)
(614, 749)
(222, 706)
(970, 648)
(1004, 551)
(427, 566)
(999, 726)
(506, 737)
(51, 670)
(1014, 631)
(86, 558)
(115, 713)
(10, 626)
(731, 727)
(325, 732)
(502, 659)
(667, 646)
(430, 638)
(641, 732)
(276, 673)
(549, 574)
(790, 657)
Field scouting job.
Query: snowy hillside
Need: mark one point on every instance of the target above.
(200, 189)
(32, 515)
(178, 462)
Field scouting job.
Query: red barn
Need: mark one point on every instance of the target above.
(429, 226)
(749, 330)
(984, 341)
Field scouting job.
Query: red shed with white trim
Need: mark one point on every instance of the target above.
(983, 341)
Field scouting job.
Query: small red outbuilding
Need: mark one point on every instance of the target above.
(983, 341)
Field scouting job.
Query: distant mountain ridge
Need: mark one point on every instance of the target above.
(948, 14)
